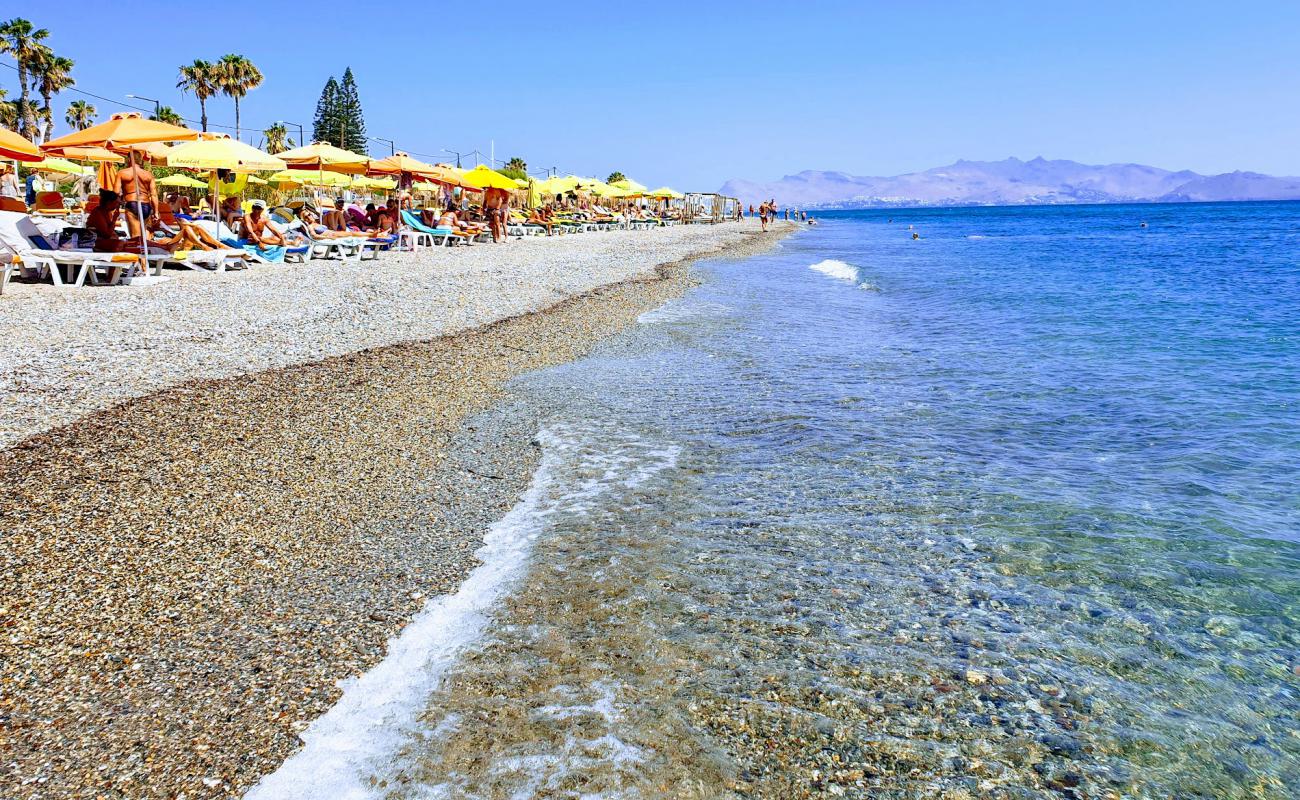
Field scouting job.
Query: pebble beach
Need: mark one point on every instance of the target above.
(210, 519)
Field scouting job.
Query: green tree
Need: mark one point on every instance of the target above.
(237, 76)
(277, 139)
(81, 115)
(202, 80)
(51, 74)
(515, 168)
(168, 114)
(20, 39)
(615, 176)
(354, 122)
(8, 111)
(326, 127)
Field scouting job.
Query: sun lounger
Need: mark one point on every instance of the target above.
(23, 245)
(50, 204)
(440, 236)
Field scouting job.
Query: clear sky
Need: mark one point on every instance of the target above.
(693, 93)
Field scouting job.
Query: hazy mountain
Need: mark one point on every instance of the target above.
(1013, 182)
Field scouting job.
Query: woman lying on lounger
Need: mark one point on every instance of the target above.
(319, 230)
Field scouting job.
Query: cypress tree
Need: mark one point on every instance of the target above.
(326, 128)
(354, 122)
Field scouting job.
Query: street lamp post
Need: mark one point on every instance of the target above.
(392, 146)
(454, 153)
(157, 107)
(301, 143)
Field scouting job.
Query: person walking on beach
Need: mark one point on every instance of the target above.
(496, 207)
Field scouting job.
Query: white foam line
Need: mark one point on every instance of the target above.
(349, 742)
(836, 269)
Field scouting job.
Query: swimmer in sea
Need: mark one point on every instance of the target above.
(915, 236)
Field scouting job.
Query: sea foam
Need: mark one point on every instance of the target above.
(841, 271)
(361, 735)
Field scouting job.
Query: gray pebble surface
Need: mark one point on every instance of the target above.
(185, 577)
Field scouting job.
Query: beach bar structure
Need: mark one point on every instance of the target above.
(709, 207)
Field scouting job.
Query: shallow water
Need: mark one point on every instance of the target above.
(1020, 522)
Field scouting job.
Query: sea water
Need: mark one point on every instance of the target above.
(1021, 521)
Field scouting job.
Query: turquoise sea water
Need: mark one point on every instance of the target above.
(1009, 510)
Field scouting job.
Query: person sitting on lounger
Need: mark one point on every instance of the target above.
(319, 230)
(259, 237)
(103, 221)
(336, 218)
(542, 216)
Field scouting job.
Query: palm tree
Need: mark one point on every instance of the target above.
(52, 74)
(200, 78)
(277, 139)
(615, 177)
(20, 39)
(8, 111)
(237, 76)
(167, 114)
(81, 115)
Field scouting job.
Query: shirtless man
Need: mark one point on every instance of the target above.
(135, 185)
(259, 233)
(496, 207)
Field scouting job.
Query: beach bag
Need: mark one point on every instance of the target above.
(77, 239)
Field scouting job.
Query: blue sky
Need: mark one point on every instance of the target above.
(691, 94)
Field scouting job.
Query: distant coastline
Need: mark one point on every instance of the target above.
(1013, 182)
(1080, 204)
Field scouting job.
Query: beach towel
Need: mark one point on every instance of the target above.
(273, 254)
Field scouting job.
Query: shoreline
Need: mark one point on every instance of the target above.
(188, 583)
(72, 351)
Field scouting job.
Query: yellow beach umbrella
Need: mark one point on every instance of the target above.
(630, 186)
(664, 193)
(286, 179)
(223, 153)
(13, 146)
(484, 177)
(253, 179)
(59, 165)
(182, 181)
(325, 156)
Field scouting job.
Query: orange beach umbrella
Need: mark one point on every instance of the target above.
(121, 131)
(16, 147)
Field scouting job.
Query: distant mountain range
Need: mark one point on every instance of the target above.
(1014, 182)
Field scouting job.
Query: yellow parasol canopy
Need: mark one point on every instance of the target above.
(664, 192)
(121, 131)
(630, 186)
(60, 165)
(253, 179)
(16, 147)
(325, 156)
(222, 153)
(183, 181)
(483, 177)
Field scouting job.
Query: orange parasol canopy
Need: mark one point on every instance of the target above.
(325, 156)
(121, 131)
(399, 163)
(16, 147)
(86, 154)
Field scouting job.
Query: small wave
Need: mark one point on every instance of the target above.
(682, 311)
(844, 272)
(976, 236)
(364, 731)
